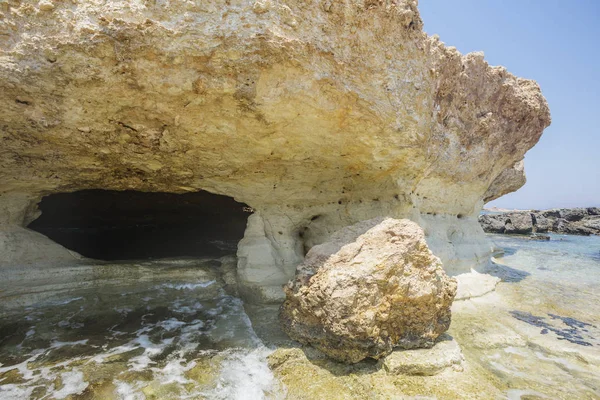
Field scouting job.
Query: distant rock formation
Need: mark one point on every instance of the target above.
(374, 286)
(574, 221)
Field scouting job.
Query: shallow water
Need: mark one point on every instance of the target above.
(166, 340)
(180, 335)
(539, 333)
(563, 258)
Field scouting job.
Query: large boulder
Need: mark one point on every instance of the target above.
(542, 223)
(592, 223)
(373, 287)
(518, 223)
(551, 214)
(492, 223)
(573, 214)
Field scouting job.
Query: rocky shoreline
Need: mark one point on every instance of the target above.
(572, 221)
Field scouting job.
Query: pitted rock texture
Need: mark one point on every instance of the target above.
(375, 286)
(317, 114)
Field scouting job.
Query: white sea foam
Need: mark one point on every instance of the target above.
(143, 361)
(174, 372)
(73, 383)
(15, 392)
(171, 324)
(187, 286)
(57, 344)
(246, 375)
(189, 309)
(126, 391)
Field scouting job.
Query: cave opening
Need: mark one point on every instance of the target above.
(130, 225)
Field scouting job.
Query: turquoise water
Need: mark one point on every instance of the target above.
(563, 258)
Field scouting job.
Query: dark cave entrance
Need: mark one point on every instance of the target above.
(130, 225)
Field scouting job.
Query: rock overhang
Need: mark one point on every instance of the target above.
(256, 98)
(343, 110)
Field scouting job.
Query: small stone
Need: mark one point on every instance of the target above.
(46, 6)
(445, 354)
(262, 6)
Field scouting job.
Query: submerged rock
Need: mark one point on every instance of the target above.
(373, 287)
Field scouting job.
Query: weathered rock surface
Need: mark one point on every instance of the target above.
(574, 221)
(474, 284)
(316, 114)
(444, 354)
(518, 223)
(373, 287)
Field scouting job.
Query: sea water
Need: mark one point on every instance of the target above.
(536, 336)
(539, 332)
(166, 340)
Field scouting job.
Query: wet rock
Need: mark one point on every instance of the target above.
(374, 286)
(444, 354)
(11, 377)
(475, 284)
(494, 335)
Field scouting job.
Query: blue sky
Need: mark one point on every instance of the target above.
(556, 43)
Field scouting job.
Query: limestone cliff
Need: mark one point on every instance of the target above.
(317, 114)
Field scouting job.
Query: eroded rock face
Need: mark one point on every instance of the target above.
(373, 287)
(316, 114)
